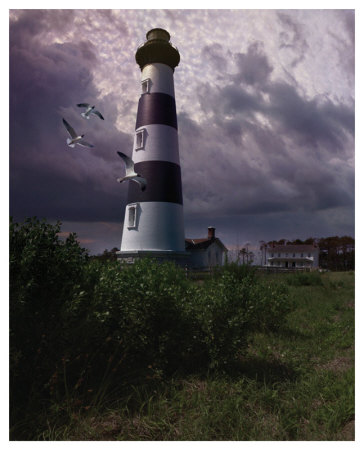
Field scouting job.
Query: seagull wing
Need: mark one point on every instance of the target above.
(83, 105)
(141, 181)
(84, 143)
(98, 114)
(70, 130)
(129, 163)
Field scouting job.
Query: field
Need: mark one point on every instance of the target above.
(293, 383)
(100, 351)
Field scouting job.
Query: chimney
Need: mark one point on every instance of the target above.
(211, 233)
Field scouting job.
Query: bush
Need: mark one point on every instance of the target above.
(43, 273)
(137, 308)
(233, 304)
(161, 321)
(239, 271)
(304, 279)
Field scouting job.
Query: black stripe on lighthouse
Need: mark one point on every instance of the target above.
(156, 108)
(163, 183)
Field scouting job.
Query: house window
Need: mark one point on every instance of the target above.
(146, 86)
(309, 255)
(139, 140)
(279, 255)
(132, 216)
(294, 254)
(301, 255)
(272, 254)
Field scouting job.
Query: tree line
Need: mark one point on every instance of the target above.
(336, 253)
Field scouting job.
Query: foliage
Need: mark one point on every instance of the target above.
(136, 311)
(239, 271)
(106, 255)
(82, 329)
(304, 279)
(337, 253)
(43, 272)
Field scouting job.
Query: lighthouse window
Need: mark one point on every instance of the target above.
(139, 140)
(132, 214)
(146, 86)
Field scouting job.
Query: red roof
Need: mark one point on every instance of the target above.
(202, 243)
(197, 241)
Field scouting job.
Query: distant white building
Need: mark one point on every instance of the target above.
(293, 256)
(206, 252)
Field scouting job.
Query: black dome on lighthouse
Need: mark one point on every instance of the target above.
(158, 33)
(157, 49)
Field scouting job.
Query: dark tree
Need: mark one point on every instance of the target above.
(44, 272)
(107, 255)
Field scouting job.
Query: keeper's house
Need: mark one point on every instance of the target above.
(293, 256)
(206, 252)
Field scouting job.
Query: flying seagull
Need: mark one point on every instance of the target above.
(89, 110)
(75, 138)
(130, 174)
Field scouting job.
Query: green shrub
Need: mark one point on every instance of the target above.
(43, 273)
(228, 307)
(239, 271)
(139, 306)
(159, 320)
(304, 279)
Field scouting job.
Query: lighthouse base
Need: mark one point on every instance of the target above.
(130, 256)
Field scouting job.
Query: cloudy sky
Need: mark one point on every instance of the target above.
(265, 107)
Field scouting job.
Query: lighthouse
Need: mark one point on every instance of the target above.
(153, 221)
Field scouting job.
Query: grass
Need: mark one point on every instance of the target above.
(296, 383)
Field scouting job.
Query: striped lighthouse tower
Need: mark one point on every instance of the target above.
(153, 223)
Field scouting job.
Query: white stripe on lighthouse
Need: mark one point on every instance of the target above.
(157, 143)
(156, 226)
(161, 77)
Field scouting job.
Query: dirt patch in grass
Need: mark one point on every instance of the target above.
(270, 426)
(266, 370)
(106, 428)
(338, 365)
(348, 432)
(195, 385)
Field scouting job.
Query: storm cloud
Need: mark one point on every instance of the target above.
(47, 178)
(268, 145)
